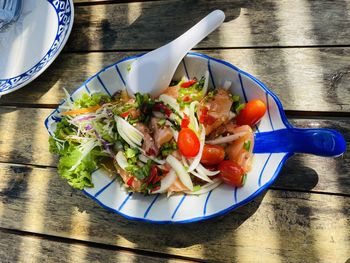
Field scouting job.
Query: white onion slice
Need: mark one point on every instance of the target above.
(198, 157)
(131, 131)
(168, 100)
(174, 132)
(166, 182)
(193, 119)
(201, 169)
(202, 176)
(123, 135)
(121, 160)
(206, 83)
(184, 161)
(231, 115)
(206, 188)
(159, 115)
(227, 85)
(227, 139)
(145, 157)
(128, 132)
(180, 171)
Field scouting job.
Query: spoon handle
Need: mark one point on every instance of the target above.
(195, 34)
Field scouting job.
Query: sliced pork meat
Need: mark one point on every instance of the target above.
(215, 111)
(161, 133)
(148, 145)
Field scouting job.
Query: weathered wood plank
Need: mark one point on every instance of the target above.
(26, 248)
(281, 226)
(308, 79)
(303, 172)
(147, 25)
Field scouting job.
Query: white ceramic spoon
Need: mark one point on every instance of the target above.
(152, 72)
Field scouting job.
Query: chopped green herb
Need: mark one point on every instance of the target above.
(234, 98)
(128, 68)
(239, 108)
(87, 100)
(244, 178)
(167, 148)
(246, 145)
(161, 122)
(140, 172)
(196, 188)
(131, 152)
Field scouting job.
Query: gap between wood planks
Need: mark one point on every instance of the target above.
(289, 113)
(205, 48)
(98, 245)
(108, 2)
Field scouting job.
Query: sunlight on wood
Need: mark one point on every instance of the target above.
(136, 12)
(293, 22)
(36, 210)
(248, 59)
(80, 223)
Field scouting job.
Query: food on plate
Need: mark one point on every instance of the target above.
(190, 139)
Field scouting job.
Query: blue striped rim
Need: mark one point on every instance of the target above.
(268, 110)
(103, 85)
(184, 63)
(206, 202)
(263, 169)
(87, 89)
(235, 195)
(150, 206)
(211, 74)
(242, 87)
(200, 218)
(178, 206)
(120, 74)
(105, 187)
(125, 200)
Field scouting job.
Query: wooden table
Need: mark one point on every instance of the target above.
(300, 49)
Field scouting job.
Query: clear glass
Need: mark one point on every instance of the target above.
(9, 11)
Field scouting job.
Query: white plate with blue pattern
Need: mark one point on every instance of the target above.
(276, 140)
(31, 44)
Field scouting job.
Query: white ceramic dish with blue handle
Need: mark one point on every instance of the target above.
(276, 141)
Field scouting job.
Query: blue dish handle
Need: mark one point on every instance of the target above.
(323, 142)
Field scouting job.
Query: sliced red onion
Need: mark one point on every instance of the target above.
(88, 127)
(85, 118)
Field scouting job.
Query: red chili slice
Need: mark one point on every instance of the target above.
(206, 118)
(124, 114)
(187, 98)
(188, 83)
(130, 181)
(185, 122)
(162, 108)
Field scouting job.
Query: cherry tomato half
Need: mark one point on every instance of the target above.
(252, 113)
(231, 173)
(188, 142)
(212, 154)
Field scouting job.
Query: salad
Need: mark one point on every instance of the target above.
(188, 140)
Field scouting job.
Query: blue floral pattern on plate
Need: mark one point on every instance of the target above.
(64, 11)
